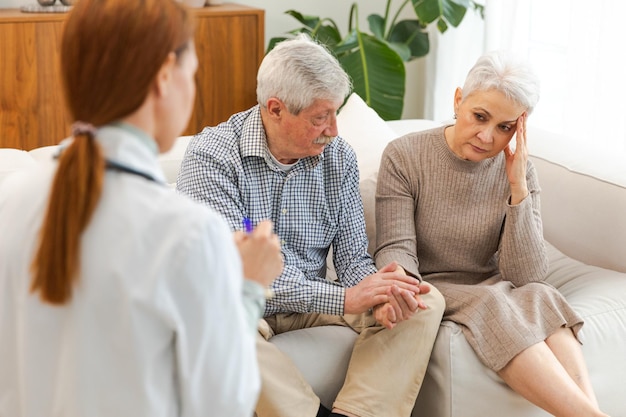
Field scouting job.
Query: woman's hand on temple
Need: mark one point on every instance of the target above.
(516, 162)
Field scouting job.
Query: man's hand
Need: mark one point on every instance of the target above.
(401, 306)
(376, 289)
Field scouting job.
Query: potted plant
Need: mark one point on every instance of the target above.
(375, 59)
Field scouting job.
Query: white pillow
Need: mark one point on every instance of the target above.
(13, 160)
(171, 160)
(45, 153)
(366, 132)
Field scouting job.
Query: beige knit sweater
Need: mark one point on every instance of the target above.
(449, 221)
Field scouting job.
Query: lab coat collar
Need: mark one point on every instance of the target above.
(129, 146)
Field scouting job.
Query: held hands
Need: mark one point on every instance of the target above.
(260, 253)
(401, 306)
(392, 289)
(516, 162)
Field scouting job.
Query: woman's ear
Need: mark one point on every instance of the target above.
(458, 98)
(164, 76)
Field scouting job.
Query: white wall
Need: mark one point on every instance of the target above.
(277, 23)
(7, 4)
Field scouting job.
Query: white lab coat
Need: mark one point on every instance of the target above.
(156, 325)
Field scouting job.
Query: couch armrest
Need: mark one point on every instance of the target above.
(583, 216)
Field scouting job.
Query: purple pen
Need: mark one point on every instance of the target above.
(247, 225)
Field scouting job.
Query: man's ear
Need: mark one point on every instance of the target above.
(164, 76)
(275, 108)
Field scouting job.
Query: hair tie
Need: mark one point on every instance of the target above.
(83, 128)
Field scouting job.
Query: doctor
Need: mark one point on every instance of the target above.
(119, 297)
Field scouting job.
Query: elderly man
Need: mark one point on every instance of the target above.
(282, 160)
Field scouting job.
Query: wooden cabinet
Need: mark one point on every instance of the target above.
(229, 43)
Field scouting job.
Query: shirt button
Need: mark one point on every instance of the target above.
(284, 211)
(282, 242)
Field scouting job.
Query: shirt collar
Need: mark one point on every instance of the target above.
(254, 141)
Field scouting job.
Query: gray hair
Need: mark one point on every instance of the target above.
(298, 72)
(502, 71)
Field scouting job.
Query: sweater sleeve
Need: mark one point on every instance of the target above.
(522, 254)
(396, 193)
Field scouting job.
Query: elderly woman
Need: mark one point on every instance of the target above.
(458, 206)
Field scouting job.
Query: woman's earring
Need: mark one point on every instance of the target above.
(454, 116)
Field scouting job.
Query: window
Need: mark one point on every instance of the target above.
(576, 48)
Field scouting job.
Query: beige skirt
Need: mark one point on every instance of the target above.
(500, 320)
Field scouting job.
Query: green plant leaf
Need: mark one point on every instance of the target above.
(453, 12)
(430, 10)
(442, 26)
(349, 43)
(272, 43)
(377, 25)
(309, 21)
(378, 75)
(401, 49)
(427, 11)
(413, 35)
(328, 35)
(467, 3)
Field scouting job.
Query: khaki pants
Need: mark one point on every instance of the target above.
(384, 376)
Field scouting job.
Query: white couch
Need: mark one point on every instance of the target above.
(585, 225)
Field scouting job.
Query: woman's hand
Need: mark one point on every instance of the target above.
(516, 162)
(401, 306)
(375, 289)
(260, 253)
(401, 303)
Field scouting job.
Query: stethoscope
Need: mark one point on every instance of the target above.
(116, 166)
(112, 165)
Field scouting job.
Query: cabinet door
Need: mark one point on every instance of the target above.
(229, 42)
(229, 45)
(32, 109)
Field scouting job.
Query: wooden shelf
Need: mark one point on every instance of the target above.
(230, 46)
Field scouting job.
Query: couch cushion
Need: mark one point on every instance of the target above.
(171, 160)
(333, 344)
(365, 131)
(46, 154)
(598, 295)
(12, 160)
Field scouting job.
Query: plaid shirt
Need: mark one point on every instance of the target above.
(313, 206)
